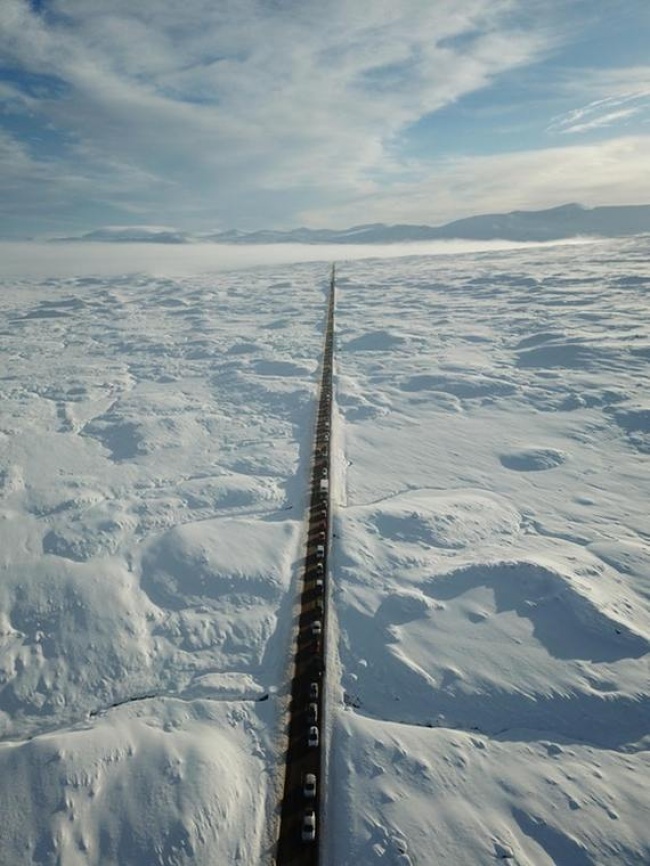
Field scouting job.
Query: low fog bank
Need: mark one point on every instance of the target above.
(36, 259)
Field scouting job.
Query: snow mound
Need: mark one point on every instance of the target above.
(64, 650)
(565, 621)
(374, 341)
(496, 647)
(445, 520)
(170, 783)
(199, 562)
(229, 492)
(532, 459)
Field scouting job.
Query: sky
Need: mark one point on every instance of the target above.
(215, 114)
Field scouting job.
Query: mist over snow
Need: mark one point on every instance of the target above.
(33, 259)
(488, 679)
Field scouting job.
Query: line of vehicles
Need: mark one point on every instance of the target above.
(316, 584)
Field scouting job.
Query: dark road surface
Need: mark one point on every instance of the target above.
(308, 684)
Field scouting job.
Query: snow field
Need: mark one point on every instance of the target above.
(491, 573)
(155, 437)
(489, 692)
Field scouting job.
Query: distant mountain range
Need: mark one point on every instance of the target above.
(566, 221)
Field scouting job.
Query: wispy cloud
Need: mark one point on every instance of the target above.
(216, 113)
(610, 111)
(215, 100)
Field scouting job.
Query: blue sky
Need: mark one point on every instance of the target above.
(211, 114)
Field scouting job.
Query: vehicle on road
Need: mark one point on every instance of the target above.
(320, 551)
(317, 628)
(312, 713)
(312, 737)
(308, 832)
(313, 691)
(320, 586)
(309, 786)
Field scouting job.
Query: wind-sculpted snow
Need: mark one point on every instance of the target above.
(160, 782)
(155, 437)
(492, 560)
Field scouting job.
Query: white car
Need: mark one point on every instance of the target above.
(308, 833)
(312, 737)
(317, 628)
(309, 786)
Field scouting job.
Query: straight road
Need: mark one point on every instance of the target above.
(305, 753)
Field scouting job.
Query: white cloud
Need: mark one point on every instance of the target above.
(608, 119)
(603, 112)
(595, 174)
(212, 100)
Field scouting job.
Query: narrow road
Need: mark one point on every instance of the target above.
(300, 810)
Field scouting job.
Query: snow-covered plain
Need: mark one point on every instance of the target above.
(489, 678)
(155, 437)
(491, 560)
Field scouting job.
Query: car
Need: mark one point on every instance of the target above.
(308, 831)
(313, 691)
(316, 628)
(320, 551)
(320, 569)
(312, 713)
(312, 737)
(320, 586)
(309, 786)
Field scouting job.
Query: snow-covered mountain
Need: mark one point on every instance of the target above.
(566, 221)
(135, 234)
